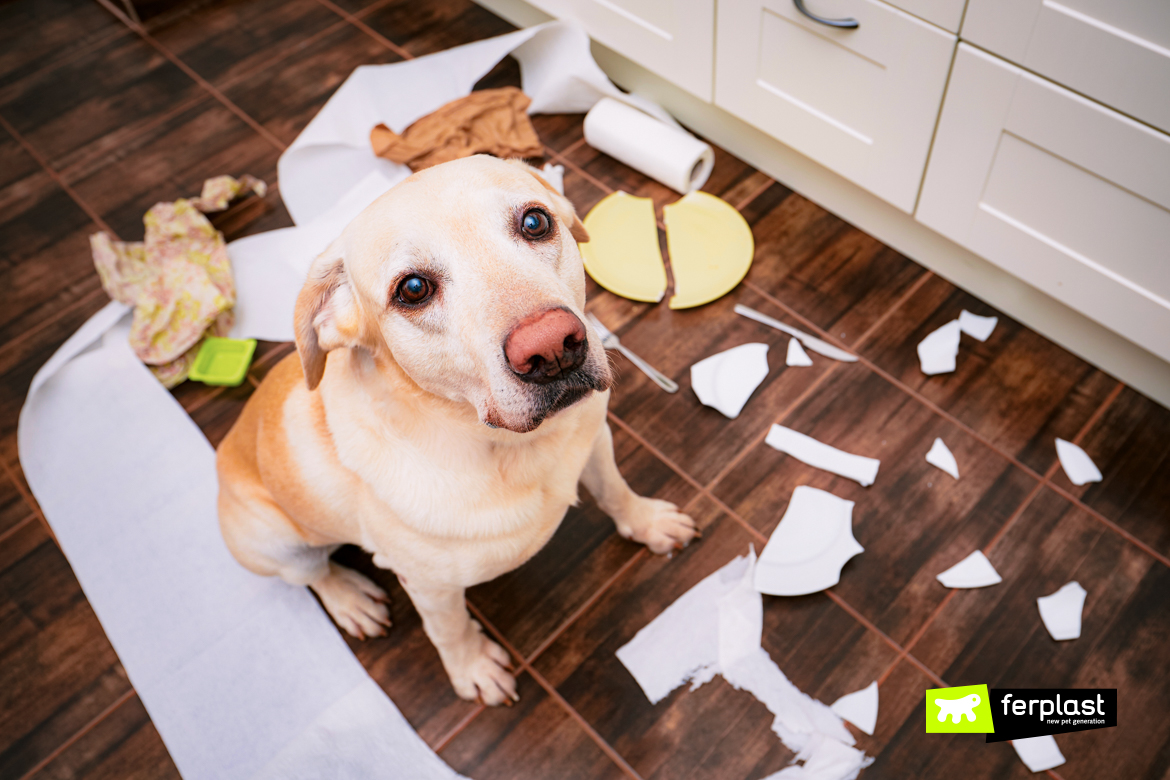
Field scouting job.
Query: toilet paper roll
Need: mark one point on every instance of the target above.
(667, 154)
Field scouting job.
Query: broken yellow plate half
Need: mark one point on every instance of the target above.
(710, 246)
(623, 254)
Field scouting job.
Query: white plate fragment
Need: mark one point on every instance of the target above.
(555, 176)
(1077, 464)
(937, 352)
(859, 708)
(1038, 753)
(796, 354)
(813, 541)
(975, 326)
(1061, 612)
(974, 571)
(725, 381)
(940, 455)
(808, 450)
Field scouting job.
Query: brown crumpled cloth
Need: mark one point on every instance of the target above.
(179, 279)
(494, 121)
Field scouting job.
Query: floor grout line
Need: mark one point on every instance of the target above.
(757, 193)
(78, 734)
(458, 728)
(30, 517)
(28, 498)
(596, 182)
(365, 28)
(48, 322)
(914, 288)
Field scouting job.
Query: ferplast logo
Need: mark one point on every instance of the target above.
(962, 710)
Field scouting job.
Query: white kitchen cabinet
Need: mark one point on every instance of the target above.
(862, 102)
(675, 38)
(947, 14)
(1115, 52)
(1062, 192)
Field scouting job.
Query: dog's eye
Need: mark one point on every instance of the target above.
(415, 289)
(535, 224)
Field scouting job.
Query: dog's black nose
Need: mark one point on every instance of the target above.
(545, 346)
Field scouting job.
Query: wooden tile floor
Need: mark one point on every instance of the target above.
(101, 117)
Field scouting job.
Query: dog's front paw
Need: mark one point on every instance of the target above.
(657, 524)
(483, 676)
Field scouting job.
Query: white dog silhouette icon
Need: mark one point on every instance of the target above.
(957, 708)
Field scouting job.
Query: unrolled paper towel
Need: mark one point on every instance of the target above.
(664, 152)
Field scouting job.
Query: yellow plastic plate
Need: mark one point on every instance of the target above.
(623, 255)
(710, 246)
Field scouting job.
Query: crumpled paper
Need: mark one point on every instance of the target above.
(491, 121)
(178, 279)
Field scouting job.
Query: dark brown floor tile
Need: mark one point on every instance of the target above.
(696, 437)
(216, 417)
(58, 670)
(287, 95)
(268, 355)
(914, 521)
(1017, 389)
(841, 279)
(172, 161)
(13, 509)
(16, 165)
(225, 39)
(824, 651)
(425, 28)
(1131, 446)
(124, 746)
(21, 539)
(35, 34)
(101, 99)
(995, 635)
(528, 604)
(404, 662)
(534, 739)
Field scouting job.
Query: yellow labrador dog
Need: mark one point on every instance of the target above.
(445, 400)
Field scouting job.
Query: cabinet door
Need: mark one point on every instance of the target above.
(1066, 194)
(1115, 52)
(947, 14)
(861, 102)
(673, 38)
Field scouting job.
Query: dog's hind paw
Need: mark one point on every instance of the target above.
(658, 524)
(354, 602)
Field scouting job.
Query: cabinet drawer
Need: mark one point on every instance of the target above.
(861, 102)
(1064, 193)
(673, 38)
(1115, 52)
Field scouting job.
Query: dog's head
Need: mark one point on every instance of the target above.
(468, 278)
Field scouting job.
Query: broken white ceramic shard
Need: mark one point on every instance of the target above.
(1061, 612)
(1038, 753)
(807, 449)
(555, 176)
(726, 381)
(796, 354)
(937, 352)
(859, 708)
(975, 326)
(974, 571)
(825, 759)
(813, 541)
(1077, 464)
(941, 456)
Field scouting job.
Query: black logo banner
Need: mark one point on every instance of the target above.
(1033, 712)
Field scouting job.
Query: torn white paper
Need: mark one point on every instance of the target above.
(1076, 463)
(859, 708)
(974, 571)
(796, 354)
(726, 381)
(813, 541)
(715, 628)
(1061, 611)
(1038, 753)
(808, 450)
(937, 352)
(940, 455)
(976, 326)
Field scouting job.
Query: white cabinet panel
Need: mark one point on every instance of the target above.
(673, 38)
(947, 14)
(1115, 52)
(861, 102)
(1066, 194)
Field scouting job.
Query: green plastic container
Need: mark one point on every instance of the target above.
(223, 361)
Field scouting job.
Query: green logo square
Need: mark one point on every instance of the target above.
(962, 710)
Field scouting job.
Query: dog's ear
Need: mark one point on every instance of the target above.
(326, 315)
(561, 205)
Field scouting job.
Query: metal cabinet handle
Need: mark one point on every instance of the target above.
(849, 23)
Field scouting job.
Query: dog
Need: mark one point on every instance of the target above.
(445, 400)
